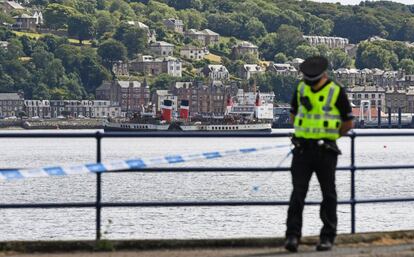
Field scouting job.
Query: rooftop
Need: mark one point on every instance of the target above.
(15, 5)
(10, 96)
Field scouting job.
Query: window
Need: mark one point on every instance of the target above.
(373, 95)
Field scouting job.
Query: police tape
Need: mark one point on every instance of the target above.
(131, 164)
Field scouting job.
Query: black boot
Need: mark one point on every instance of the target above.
(325, 244)
(292, 243)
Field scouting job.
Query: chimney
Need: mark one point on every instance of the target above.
(166, 110)
(184, 109)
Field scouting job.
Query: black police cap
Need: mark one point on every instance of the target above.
(314, 67)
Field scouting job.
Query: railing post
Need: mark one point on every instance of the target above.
(353, 182)
(98, 187)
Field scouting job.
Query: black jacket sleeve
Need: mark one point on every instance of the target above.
(294, 105)
(344, 106)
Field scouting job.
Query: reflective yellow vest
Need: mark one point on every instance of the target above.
(323, 120)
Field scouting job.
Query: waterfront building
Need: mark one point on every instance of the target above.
(397, 98)
(103, 109)
(131, 96)
(210, 99)
(161, 95)
(11, 104)
(249, 98)
(72, 108)
(37, 108)
(373, 94)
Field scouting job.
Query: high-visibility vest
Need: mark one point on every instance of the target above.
(323, 120)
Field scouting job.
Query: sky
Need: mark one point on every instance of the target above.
(358, 1)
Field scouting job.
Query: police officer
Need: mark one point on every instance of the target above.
(321, 113)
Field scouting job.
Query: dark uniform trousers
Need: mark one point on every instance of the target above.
(322, 161)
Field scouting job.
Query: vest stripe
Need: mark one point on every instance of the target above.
(328, 104)
(318, 116)
(317, 130)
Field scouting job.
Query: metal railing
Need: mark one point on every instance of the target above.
(99, 204)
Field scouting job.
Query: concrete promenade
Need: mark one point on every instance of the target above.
(391, 244)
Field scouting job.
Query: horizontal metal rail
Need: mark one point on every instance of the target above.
(186, 203)
(185, 134)
(99, 204)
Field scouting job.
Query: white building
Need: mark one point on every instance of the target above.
(103, 109)
(161, 95)
(283, 69)
(193, 52)
(249, 98)
(330, 42)
(249, 70)
(37, 108)
(216, 72)
(374, 94)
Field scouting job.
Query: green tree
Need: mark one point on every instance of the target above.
(357, 27)
(339, 59)
(134, 38)
(306, 51)
(280, 58)
(407, 65)
(185, 4)
(56, 15)
(112, 51)
(104, 23)
(81, 27)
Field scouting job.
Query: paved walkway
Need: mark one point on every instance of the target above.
(399, 250)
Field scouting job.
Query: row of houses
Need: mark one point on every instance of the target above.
(26, 20)
(14, 105)
(375, 96)
(374, 77)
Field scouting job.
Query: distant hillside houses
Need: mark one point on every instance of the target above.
(152, 36)
(330, 42)
(206, 36)
(9, 6)
(283, 69)
(161, 48)
(193, 52)
(175, 25)
(148, 65)
(249, 70)
(216, 72)
(245, 48)
(374, 77)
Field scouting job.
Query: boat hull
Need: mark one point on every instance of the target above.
(188, 128)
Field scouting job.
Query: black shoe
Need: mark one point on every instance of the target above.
(291, 244)
(325, 244)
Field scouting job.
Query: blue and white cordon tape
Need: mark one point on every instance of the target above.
(132, 164)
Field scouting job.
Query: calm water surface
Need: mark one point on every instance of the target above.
(192, 222)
